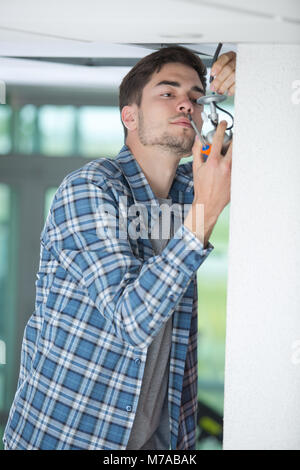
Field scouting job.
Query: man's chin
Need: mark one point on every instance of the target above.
(182, 150)
(182, 147)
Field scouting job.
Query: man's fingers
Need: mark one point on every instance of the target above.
(223, 86)
(224, 72)
(218, 139)
(199, 158)
(222, 61)
(231, 90)
(228, 155)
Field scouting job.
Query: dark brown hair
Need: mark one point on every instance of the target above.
(133, 83)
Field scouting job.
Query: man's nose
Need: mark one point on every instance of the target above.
(185, 105)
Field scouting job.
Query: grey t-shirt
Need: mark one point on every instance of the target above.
(150, 429)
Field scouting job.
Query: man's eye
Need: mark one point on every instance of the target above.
(197, 104)
(194, 100)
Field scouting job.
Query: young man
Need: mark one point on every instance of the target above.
(109, 358)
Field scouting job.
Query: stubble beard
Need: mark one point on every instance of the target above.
(181, 145)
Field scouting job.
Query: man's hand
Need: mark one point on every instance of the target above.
(212, 182)
(224, 72)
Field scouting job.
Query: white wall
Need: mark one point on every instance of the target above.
(262, 377)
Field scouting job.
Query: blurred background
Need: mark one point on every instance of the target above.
(58, 114)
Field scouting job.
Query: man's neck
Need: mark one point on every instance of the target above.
(159, 166)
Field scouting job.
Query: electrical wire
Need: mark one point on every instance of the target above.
(227, 112)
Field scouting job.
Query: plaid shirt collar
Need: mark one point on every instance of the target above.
(182, 189)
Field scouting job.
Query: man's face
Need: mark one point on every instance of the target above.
(166, 100)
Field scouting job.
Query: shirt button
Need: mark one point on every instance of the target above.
(137, 361)
(172, 297)
(128, 408)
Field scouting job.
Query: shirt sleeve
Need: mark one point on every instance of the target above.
(136, 296)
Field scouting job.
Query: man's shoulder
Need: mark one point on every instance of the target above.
(103, 172)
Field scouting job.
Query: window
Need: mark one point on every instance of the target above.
(5, 129)
(26, 135)
(56, 130)
(61, 131)
(7, 299)
(212, 290)
(100, 131)
(48, 200)
(93, 132)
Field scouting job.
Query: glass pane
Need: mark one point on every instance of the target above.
(26, 131)
(49, 194)
(56, 128)
(7, 308)
(5, 129)
(100, 131)
(4, 235)
(212, 290)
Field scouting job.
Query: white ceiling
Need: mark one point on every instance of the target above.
(61, 25)
(127, 29)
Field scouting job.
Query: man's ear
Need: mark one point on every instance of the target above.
(129, 117)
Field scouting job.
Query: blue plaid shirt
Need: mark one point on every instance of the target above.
(100, 301)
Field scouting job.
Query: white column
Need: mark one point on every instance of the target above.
(262, 376)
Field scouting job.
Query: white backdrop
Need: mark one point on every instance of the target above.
(262, 377)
